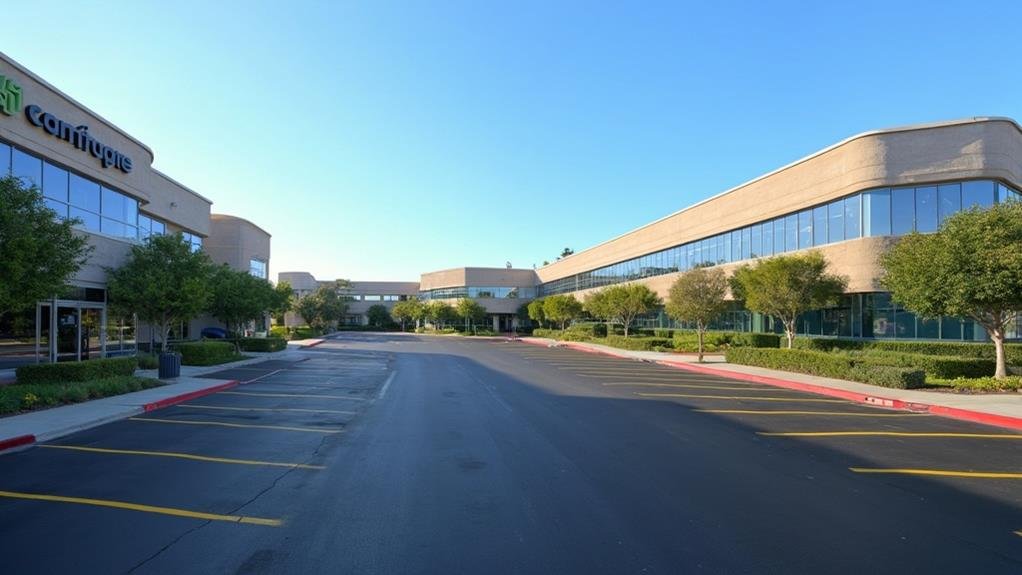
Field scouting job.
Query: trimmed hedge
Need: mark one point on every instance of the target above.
(939, 366)
(1012, 351)
(262, 344)
(770, 340)
(25, 397)
(207, 352)
(637, 343)
(828, 365)
(50, 373)
(980, 384)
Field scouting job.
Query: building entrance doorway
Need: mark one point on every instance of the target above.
(70, 330)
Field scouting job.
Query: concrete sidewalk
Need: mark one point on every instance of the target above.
(1001, 409)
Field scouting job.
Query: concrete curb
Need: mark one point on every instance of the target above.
(873, 400)
(16, 443)
(169, 401)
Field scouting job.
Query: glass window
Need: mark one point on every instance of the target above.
(926, 209)
(736, 245)
(977, 193)
(903, 206)
(159, 227)
(119, 207)
(1003, 193)
(756, 235)
(54, 182)
(805, 229)
(853, 220)
(746, 243)
(819, 225)
(5, 159)
(84, 194)
(949, 198)
(728, 255)
(28, 168)
(791, 233)
(779, 235)
(59, 207)
(257, 268)
(768, 238)
(113, 228)
(836, 221)
(89, 220)
(876, 211)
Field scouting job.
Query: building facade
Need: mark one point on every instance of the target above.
(87, 168)
(359, 296)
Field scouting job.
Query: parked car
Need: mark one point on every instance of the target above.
(214, 333)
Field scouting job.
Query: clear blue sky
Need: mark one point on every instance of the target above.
(378, 140)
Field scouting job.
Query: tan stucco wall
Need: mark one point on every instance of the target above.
(480, 277)
(236, 241)
(977, 148)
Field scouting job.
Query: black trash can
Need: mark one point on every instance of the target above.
(170, 365)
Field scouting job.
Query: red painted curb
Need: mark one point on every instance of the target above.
(19, 441)
(167, 402)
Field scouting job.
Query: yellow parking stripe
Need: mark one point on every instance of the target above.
(742, 397)
(826, 413)
(240, 425)
(941, 473)
(183, 456)
(251, 394)
(698, 386)
(144, 508)
(892, 434)
(295, 409)
(657, 377)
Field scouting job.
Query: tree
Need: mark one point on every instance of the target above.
(439, 313)
(237, 297)
(566, 252)
(698, 295)
(535, 311)
(323, 307)
(163, 282)
(378, 315)
(282, 301)
(787, 286)
(406, 311)
(622, 303)
(39, 253)
(561, 308)
(971, 267)
(470, 311)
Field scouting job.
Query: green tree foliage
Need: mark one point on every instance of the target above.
(238, 297)
(698, 296)
(971, 267)
(378, 315)
(536, 313)
(787, 286)
(38, 252)
(407, 311)
(439, 313)
(471, 311)
(282, 302)
(622, 303)
(324, 307)
(561, 308)
(163, 282)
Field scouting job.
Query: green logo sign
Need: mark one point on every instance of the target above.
(10, 96)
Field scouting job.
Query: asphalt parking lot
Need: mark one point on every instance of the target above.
(153, 478)
(896, 447)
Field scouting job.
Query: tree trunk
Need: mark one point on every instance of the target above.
(789, 332)
(701, 329)
(998, 336)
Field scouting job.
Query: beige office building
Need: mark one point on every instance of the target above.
(88, 168)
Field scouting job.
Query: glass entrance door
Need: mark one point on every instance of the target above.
(68, 336)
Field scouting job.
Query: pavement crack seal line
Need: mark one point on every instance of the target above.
(234, 425)
(822, 413)
(180, 456)
(741, 398)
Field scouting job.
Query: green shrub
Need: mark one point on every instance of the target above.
(24, 397)
(824, 364)
(769, 340)
(662, 332)
(262, 344)
(279, 331)
(979, 384)
(76, 371)
(548, 333)
(148, 361)
(1013, 351)
(938, 366)
(586, 330)
(207, 352)
(637, 343)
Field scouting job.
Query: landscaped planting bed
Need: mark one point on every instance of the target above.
(26, 397)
